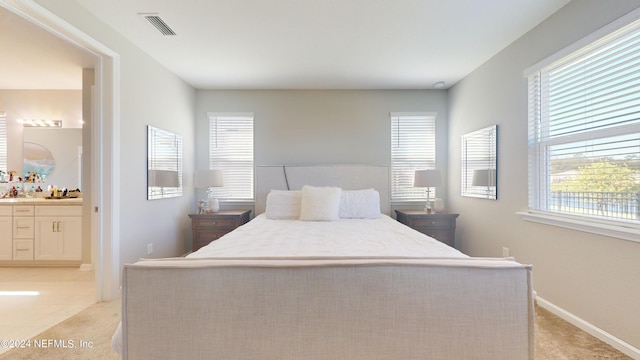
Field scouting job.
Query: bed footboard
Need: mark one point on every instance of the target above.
(327, 309)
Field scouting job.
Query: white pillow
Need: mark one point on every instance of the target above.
(283, 204)
(320, 203)
(360, 204)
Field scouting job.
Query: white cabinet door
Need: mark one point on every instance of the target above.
(70, 232)
(58, 238)
(46, 238)
(6, 237)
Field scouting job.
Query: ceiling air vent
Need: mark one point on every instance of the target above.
(159, 24)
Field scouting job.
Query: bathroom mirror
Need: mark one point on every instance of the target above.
(479, 163)
(164, 164)
(54, 154)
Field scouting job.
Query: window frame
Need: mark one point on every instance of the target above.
(538, 180)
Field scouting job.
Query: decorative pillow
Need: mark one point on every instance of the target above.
(360, 204)
(283, 204)
(320, 203)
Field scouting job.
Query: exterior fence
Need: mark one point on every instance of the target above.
(613, 205)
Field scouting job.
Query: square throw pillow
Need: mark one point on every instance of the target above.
(320, 203)
(283, 205)
(360, 204)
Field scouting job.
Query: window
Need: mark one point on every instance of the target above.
(584, 130)
(3, 142)
(413, 147)
(231, 150)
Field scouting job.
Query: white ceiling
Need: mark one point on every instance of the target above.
(290, 44)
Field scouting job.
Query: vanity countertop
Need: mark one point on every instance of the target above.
(40, 201)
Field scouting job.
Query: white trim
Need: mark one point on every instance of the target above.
(591, 329)
(585, 41)
(105, 231)
(231, 114)
(631, 233)
(418, 113)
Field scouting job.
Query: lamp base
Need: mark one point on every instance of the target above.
(427, 206)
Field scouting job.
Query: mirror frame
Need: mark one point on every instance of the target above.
(480, 157)
(164, 153)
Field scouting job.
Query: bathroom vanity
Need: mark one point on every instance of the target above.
(38, 230)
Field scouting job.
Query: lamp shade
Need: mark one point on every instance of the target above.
(427, 178)
(484, 177)
(163, 178)
(208, 178)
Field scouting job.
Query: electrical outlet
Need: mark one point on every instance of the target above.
(505, 251)
(149, 248)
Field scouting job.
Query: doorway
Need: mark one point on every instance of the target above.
(101, 200)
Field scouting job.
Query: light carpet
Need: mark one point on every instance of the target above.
(556, 339)
(86, 335)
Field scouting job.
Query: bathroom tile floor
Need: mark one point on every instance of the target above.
(60, 292)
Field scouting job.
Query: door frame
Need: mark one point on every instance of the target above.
(105, 166)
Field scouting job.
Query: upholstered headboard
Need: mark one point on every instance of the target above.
(348, 177)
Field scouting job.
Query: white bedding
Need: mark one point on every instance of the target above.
(263, 237)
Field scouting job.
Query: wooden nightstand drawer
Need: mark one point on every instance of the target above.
(444, 236)
(439, 222)
(210, 227)
(204, 238)
(217, 223)
(441, 227)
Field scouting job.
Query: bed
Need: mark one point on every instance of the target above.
(323, 272)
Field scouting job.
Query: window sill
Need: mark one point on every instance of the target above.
(626, 232)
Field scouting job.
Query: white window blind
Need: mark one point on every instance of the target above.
(231, 150)
(413, 148)
(584, 130)
(3, 141)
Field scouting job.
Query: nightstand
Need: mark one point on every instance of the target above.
(209, 227)
(442, 227)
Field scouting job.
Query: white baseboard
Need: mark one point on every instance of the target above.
(591, 329)
(86, 267)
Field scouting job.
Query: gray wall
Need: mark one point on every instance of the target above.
(593, 277)
(321, 126)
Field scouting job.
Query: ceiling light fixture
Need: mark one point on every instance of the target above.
(40, 123)
(438, 85)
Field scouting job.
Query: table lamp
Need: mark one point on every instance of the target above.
(207, 179)
(427, 179)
